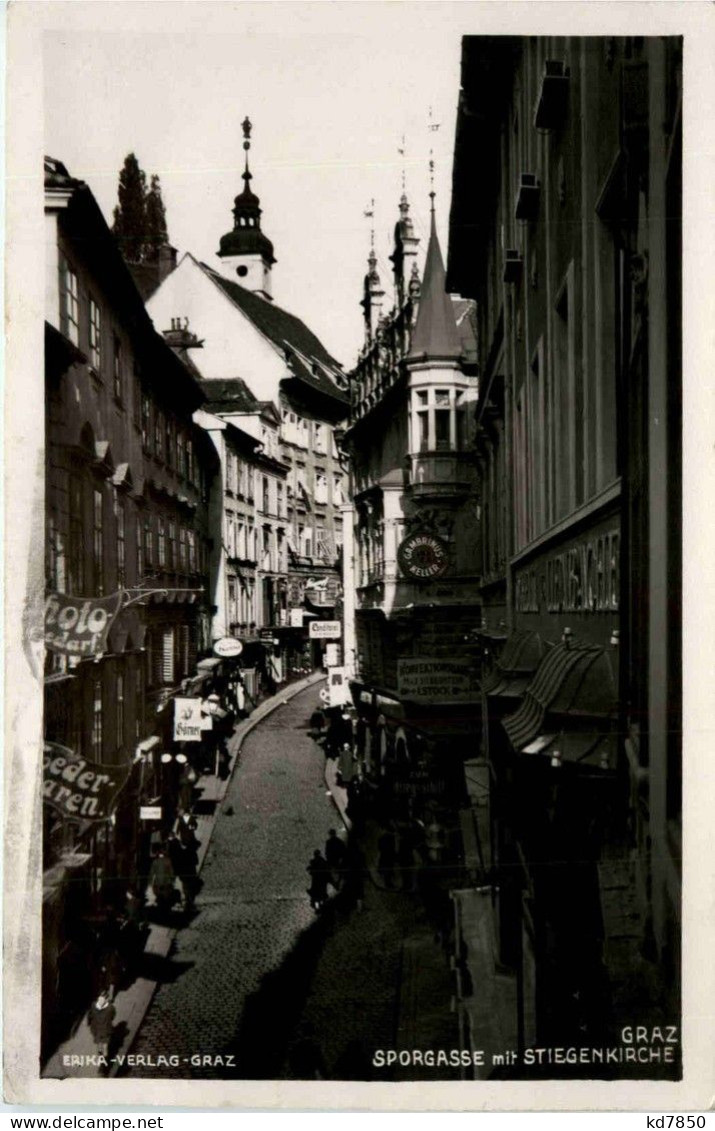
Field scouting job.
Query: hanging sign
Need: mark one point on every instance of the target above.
(325, 630)
(227, 647)
(422, 556)
(338, 687)
(79, 626)
(79, 789)
(187, 720)
(150, 812)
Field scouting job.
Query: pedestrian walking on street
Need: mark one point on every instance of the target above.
(101, 1022)
(162, 879)
(319, 878)
(335, 853)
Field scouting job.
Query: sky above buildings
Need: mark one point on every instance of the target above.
(330, 90)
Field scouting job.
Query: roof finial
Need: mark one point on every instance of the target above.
(433, 127)
(246, 127)
(369, 213)
(402, 150)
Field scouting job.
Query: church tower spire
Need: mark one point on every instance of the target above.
(245, 251)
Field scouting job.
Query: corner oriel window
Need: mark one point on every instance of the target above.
(434, 420)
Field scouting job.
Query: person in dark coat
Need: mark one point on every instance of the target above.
(101, 1022)
(335, 853)
(161, 878)
(319, 878)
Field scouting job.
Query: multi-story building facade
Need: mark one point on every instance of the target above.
(279, 362)
(565, 229)
(251, 557)
(414, 518)
(128, 476)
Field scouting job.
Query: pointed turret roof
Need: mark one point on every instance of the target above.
(436, 335)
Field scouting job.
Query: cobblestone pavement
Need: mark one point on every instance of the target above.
(253, 904)
(257, 981)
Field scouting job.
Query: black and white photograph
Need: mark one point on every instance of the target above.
(352, 586)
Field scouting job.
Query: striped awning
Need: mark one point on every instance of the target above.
(572, 680)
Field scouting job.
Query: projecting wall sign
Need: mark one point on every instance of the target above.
(422, 556)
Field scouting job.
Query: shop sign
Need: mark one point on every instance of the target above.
(227, 647)
(150, 812)
(79, 626)
(584, 578)
(325, 630)
(77, 788)
(423, 556)
(434, 680)
(187, 720)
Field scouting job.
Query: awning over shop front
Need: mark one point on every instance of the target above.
(589, 749)
(514, 670)
(574, 683)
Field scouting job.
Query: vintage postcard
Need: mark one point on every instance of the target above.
(356, 459)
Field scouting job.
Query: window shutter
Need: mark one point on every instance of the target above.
(167, 657)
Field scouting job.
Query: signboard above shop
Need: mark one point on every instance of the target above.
(325, 630)
(426, 679)
(227, 647)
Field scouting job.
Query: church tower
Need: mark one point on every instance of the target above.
(246, 252)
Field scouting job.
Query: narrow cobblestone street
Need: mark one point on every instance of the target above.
(256, 976)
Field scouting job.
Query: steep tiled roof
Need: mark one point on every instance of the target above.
(305, 354)
(230, 395)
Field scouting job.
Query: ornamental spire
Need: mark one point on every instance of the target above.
(246, 127)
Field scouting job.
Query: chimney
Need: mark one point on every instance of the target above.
(166, 262)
